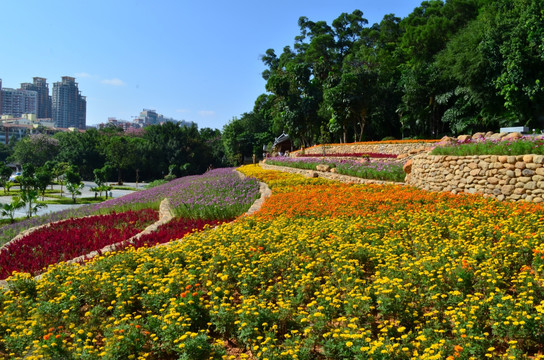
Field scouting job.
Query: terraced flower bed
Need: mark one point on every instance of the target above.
(174, 229)
(322, 271)
(217, 194)
(351, 155)
(377, 170)
(68, 239)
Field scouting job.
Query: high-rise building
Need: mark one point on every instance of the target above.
(16, 102)
(44, 100)
(0, 96)
(69, 108)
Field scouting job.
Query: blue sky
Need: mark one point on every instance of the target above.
(191, 60)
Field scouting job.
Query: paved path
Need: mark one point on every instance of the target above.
(85, 192)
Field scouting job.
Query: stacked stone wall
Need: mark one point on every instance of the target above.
(502, 177)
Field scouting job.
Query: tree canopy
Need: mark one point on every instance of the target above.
(448, 67)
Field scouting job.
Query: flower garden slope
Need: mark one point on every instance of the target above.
(71, 238)
(406, 275)
(222, 196)
(378, 170)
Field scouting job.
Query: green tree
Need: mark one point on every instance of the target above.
(5, 152)
(5, 173)
(10, 208)
(122, 152)
(29, 192)
(100, 178)
(43, 179)
(82, 149)
(35, 149)
(73, 182)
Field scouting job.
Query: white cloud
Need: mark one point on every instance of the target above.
(183, 111)
(206, 113)
(114, 82)
(82, 75)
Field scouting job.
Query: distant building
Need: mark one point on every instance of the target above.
(16, 128)
(0, 96)
(44, 100)
(124, 124)
(69, 108)
(147, 117)
(16, 102)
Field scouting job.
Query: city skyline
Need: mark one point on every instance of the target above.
(196, 62)
(66, 106)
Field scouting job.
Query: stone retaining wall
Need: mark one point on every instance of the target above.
(502, 177)
(397, 149)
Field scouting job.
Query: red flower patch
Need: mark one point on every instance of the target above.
(68, 239)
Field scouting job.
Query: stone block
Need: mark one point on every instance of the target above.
(493, 180)
(507, 189)
(323, 167)
(538, 159)
(527, 172)
(464, 138)
(509, 166)
(527, 158)
(512, 136)
(407, 167)
(483, 165)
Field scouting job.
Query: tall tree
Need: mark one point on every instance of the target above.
(35, 149)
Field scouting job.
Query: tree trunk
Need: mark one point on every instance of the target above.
(362, 124)
(119, 180)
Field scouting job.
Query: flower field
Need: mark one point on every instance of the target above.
(359, 155)
(389, 170)
(71, 238)
(322, 271)
(217, 194)
(174, 229)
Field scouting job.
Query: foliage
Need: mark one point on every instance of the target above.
(5, 173)
(449, 67)
(35, 149)
(73, 182)
(155, 183)
(43, 178)
(9, 209)
(242, 137)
